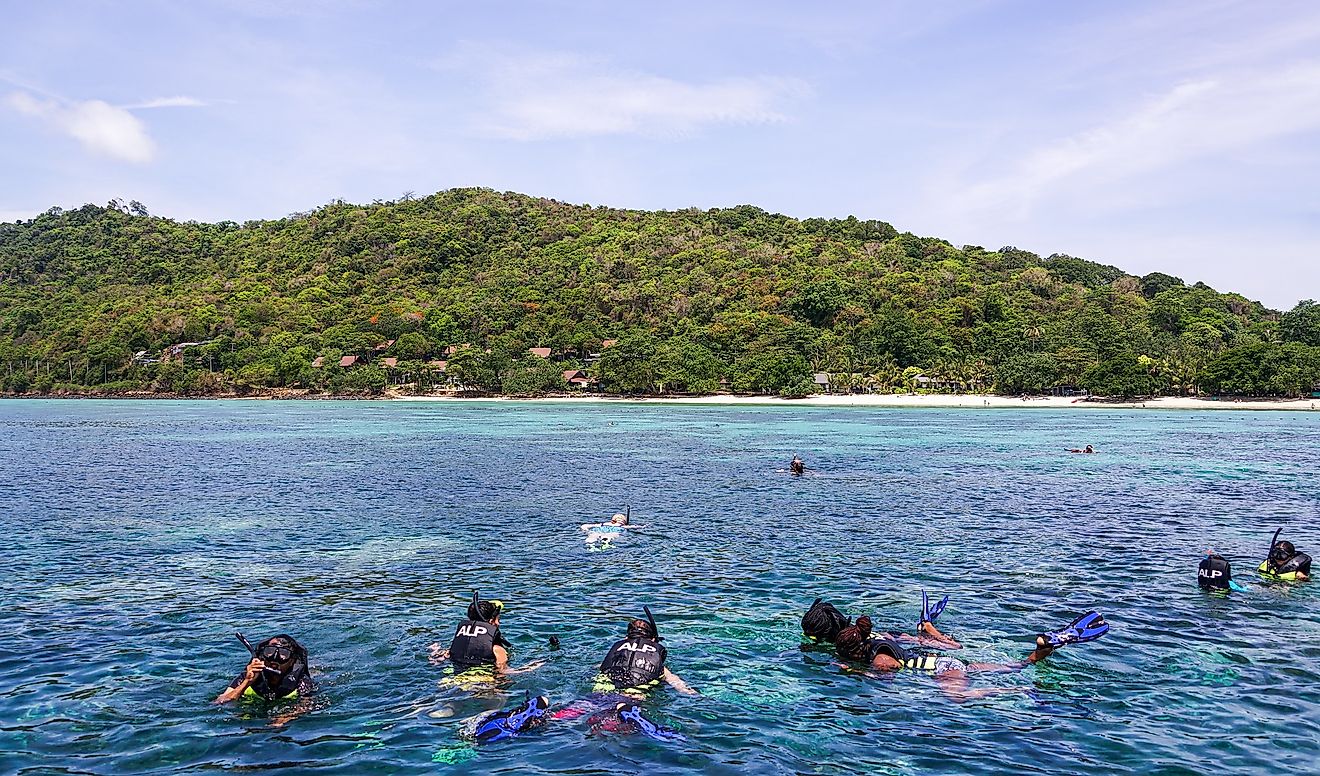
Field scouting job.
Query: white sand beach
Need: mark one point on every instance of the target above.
(969, 401)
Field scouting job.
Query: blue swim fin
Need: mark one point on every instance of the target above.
(633, 713)
(1088, 627)
(928, 612)
(507, 724)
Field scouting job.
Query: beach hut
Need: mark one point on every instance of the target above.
(539, 352)
(348, 361)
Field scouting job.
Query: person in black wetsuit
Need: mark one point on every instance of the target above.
(277, 671)
(796, 466)
(478, 644)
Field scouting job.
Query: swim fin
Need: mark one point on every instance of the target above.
(1088, 627)
(633, 713)
(507, 724)
(928, 612)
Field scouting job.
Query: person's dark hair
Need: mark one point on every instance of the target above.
(823, 622)
(640, 629)
(1285, 549)
(851, 641)
(298, 652)
(483, 610)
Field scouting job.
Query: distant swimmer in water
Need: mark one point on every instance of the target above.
(886, 652)
(1285, 562)
(479, 651)
(1087, 449)
(1216, 574)
(796, 466)
(602, 535)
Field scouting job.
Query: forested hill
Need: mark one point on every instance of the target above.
(741, 299)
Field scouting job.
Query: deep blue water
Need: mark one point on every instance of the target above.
(141, 535)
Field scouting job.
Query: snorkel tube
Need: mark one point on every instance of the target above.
(251, 649)
(476, 608)
(1274, 541)
(651, 619)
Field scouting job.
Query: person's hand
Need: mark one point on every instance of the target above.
(254, 667)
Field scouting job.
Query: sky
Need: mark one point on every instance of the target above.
(1180, 136)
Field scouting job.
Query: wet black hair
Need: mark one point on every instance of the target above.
(482, 611)
(823, 622)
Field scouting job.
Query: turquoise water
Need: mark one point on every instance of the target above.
(141, 535)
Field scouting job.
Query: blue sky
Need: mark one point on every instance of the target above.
(1181, 137)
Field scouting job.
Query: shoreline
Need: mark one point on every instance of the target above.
(941, 401)
(911, 401)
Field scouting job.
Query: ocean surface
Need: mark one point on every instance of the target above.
(140, 536)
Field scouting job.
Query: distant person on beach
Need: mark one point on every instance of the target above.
(277, 671)
(886, 652)
(796, 466)
(478, 649)
(1087, 449)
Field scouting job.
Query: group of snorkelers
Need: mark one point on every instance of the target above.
(870, 651)
(633, 666)
(1283, 564)
(478, 653)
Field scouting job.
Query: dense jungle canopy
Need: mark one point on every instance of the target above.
(92, 299)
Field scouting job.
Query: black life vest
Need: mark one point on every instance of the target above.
(1299, 563)
(474, 644)
(1214, 573)
(268, 687)
(634, 662)
(889, 646)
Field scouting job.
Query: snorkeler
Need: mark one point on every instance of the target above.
(1215, 573)
(1285, 562)
(277, 671)
(603, 534)
(823, 622)
(796, 466)
(1088, 449)
(637, 663)
(478, 644)
(886, 652)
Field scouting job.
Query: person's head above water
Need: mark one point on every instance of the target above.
(484, 611)
(1089, 449)
(1282, 551)
(619, 518)
(644, 629)
(279, 653)
(823, 621)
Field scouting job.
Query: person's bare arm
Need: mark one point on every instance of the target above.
(532, 666)
(677, 683)
(254, 667)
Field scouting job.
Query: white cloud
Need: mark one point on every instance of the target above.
(168, 102)
(545, 96)
(99, 126)
(1192, 120)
